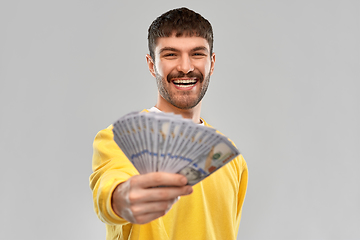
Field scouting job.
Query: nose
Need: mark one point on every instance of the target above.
(185, 65)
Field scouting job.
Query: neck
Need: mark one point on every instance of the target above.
(193, 113)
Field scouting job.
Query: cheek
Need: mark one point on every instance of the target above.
(204, 67)
(162, 68)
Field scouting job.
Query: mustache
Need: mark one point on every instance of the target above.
(192, 74)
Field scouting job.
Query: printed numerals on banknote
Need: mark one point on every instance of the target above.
(165, 142)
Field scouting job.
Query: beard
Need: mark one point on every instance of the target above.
(182, 99)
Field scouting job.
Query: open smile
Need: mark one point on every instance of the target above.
(184, 84)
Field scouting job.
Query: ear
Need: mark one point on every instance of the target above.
(151, 64)
(212, 58)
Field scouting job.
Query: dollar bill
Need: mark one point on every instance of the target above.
(169, 143)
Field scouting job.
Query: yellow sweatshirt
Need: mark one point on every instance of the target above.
(211, 212)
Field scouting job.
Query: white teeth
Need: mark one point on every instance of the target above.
(183, 81)
(185, 86)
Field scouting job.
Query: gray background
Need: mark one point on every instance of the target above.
(285, 89)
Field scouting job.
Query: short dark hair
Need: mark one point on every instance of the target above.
(182, 21)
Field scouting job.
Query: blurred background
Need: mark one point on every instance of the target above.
(285, 89)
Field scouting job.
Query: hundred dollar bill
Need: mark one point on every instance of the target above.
(169, 143)
(210, 160)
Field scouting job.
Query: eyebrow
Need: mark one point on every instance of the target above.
(168, 49)
(200, 49)
(177, 50)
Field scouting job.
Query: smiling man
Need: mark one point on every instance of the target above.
(182, 67)
(133, 206)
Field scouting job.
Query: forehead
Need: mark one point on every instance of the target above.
(183, 43)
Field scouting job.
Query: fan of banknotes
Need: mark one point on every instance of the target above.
(166, 142)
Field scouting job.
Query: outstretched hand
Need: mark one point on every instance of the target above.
(141, 200)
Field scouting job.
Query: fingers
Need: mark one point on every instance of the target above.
(158, 194)
(145, 187)
(142, 219)
(141, 200)
(144, 213)
(156, 179)
(145, 208)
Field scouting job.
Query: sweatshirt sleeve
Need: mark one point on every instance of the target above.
(243, 186)
(110, 167)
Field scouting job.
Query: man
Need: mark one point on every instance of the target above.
(133, 206)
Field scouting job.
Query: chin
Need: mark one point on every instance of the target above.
(186, 106)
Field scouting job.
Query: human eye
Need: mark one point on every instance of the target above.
(169, 55)
(199, 54)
